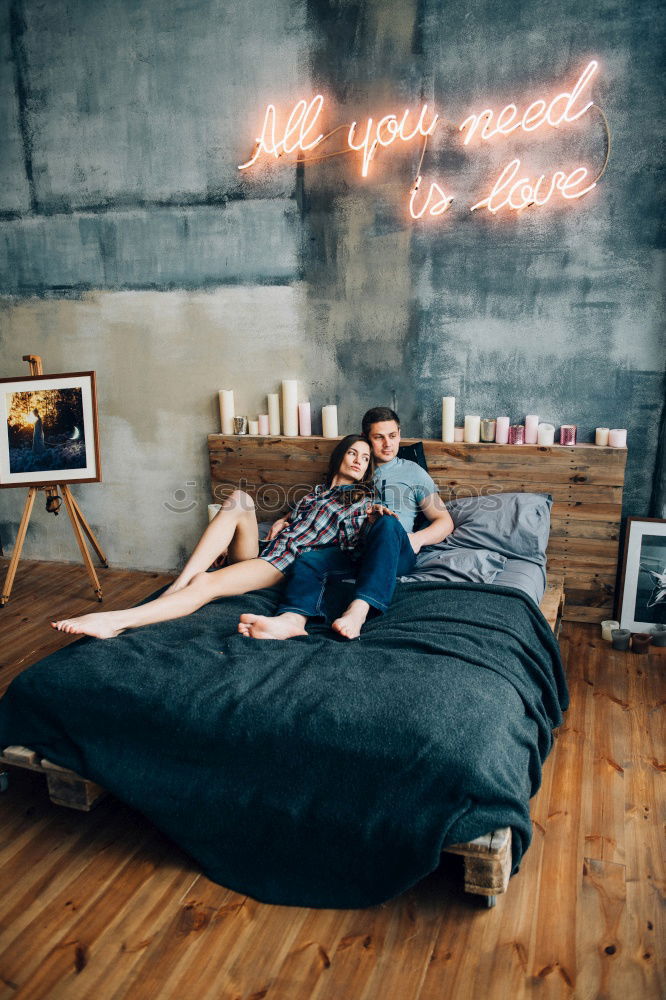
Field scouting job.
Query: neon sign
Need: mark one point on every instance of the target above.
(513, 190)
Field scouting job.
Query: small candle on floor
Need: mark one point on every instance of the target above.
(640, 642)
(607, 628)
(568, 434)
(620, 638)
(601, 436)
(502, 430)
(659, 635)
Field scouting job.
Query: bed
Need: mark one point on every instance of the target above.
(316, 772)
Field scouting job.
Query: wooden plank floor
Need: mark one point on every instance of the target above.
(102, 906)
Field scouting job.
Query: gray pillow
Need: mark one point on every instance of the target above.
(436, 562)
(515, 525)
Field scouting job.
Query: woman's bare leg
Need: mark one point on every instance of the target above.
(252, 574)
(233, 529)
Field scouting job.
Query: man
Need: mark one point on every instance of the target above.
(389, 550)
(403, 486)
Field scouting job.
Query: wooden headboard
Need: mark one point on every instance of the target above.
(585, 482)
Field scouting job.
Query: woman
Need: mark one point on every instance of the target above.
(330, 514)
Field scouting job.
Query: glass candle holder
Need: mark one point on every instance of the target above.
(517, 434)
(620, 638)
(487, 430)
(568, 434)
(240, 425)
(640, 642)
(659, 635)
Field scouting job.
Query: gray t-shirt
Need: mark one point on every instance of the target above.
(402, 486)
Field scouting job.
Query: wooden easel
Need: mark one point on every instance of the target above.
(79, 523)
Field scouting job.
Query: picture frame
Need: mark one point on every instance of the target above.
(642, 590)
(49, 432)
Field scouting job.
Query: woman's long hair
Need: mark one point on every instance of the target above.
(335, 461)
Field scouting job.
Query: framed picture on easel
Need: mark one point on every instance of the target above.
(48, 430)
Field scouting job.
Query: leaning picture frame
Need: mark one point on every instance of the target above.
(49, 431)
(642, 591)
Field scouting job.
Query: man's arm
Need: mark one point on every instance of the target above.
(441, 523)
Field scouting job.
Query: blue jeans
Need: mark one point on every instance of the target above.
(387, 553)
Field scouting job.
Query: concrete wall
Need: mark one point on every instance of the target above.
(131, 244)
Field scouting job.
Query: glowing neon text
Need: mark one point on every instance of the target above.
(522, 193)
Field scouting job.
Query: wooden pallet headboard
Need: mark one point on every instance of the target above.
(585, 482)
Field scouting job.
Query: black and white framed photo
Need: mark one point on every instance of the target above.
(642, 594)
(48, 431)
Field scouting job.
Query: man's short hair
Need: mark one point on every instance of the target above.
(376, 416)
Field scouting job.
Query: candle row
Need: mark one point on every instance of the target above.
(502, 431)
(623, 638)
(294, 418)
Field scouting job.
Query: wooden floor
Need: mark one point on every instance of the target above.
(102, 906)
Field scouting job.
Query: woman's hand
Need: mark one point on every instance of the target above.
(375, 510)
(277, 527)
(415, 543)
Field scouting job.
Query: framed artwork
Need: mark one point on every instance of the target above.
(642, 594)
(48, 430)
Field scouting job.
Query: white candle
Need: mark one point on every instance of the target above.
(472, 429)
(607, 628)
(448, 418)
(304, 419)
(458, 433)
(545, 435)
(617, 437)
(601, 438)
(253, 426)
(531, 428)
(273, 413)
(263, 423)
(290, 407)
(226, 397)
(329, 420)
(502, 430)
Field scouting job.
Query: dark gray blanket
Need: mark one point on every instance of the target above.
(316, 771)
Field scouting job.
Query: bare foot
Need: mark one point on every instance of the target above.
(104, 625)
(284, 626)
(349, 625)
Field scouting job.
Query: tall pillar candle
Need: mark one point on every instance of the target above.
(264, 426)
(304, 419)
(226, 397)
(472, 429)
(601, 436)
(290, 407)
(329, 420)
(273, 413)
(546, 436)
(531, 428)
(502, 430)
(617, 438)
(448, 418)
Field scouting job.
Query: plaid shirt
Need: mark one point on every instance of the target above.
(323, 517)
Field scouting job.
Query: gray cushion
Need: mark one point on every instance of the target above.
(515, 525)
(436, 562)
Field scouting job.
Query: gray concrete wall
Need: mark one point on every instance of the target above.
(131, 244)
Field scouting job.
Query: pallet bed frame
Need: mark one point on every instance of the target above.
(586, 483)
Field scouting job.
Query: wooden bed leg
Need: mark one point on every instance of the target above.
(68, 789)
(487, 863)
